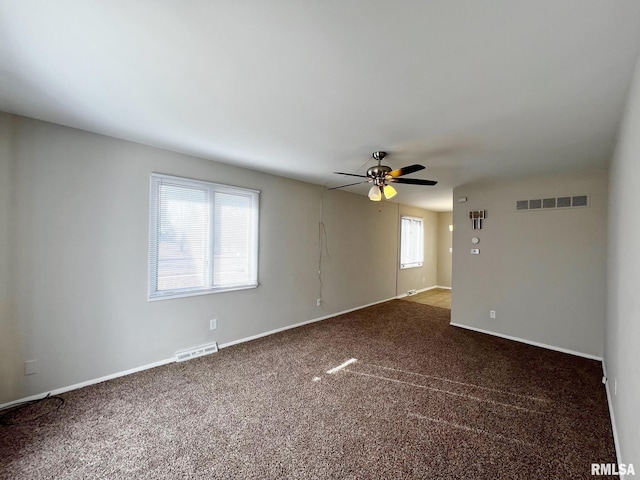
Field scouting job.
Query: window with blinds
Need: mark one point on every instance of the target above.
(203, 237)
(411, 242)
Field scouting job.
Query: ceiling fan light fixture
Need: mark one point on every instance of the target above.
(389, 192)
(380, 175)
(375, 194)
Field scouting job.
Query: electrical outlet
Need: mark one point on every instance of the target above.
(318, 302)
(492, 314)
(213, 324)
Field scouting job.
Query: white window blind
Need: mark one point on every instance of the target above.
(203, 237)
(411, 242)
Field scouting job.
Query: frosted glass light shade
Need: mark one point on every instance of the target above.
(389, 192)
(374, 194)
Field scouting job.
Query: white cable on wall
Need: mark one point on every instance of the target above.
(322, 243)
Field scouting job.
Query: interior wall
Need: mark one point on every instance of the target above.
(80, 268)
(445, 244)
(11, 362)
(419, 278)
(543, 272)
(622, 352)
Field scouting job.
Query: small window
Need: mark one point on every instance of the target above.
(203, 237)
(411, 242)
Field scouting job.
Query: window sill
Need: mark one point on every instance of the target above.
(169, 296)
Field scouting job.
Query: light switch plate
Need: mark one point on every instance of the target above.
(30, 367)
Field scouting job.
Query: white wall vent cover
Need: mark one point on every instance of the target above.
(553, 203)
(183, 355)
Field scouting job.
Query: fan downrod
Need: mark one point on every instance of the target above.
(379, 156)
(378, 173)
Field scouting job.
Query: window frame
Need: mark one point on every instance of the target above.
(157, 179)
(419, 262)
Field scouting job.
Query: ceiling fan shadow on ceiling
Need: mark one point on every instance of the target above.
(381, 176)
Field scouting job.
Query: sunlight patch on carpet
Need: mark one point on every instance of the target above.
(496, 436)
(342, 366)
(446, 392)
(496, 390)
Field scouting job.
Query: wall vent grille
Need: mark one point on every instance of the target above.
(553, 203)
(196, 352)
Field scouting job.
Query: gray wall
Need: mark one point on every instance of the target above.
(542, 272)
(622, 352)
(78, 262)
(445, 242)
(11, 358)
(426, 276)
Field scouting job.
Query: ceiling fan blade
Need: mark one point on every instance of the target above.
(351, 174)
(406, 170)
(413, 181)
(348, 185)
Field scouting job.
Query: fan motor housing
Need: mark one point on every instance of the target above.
(378, 171)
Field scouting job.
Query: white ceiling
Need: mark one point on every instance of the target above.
(472, 89)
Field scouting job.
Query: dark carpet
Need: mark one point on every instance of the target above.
(423, 399)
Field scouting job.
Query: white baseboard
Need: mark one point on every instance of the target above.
(529, 342)
(296, 325)
(402, 295)
(86, 383)
(93, 381)
(612, 417)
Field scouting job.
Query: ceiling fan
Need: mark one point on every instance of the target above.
(381, 176)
